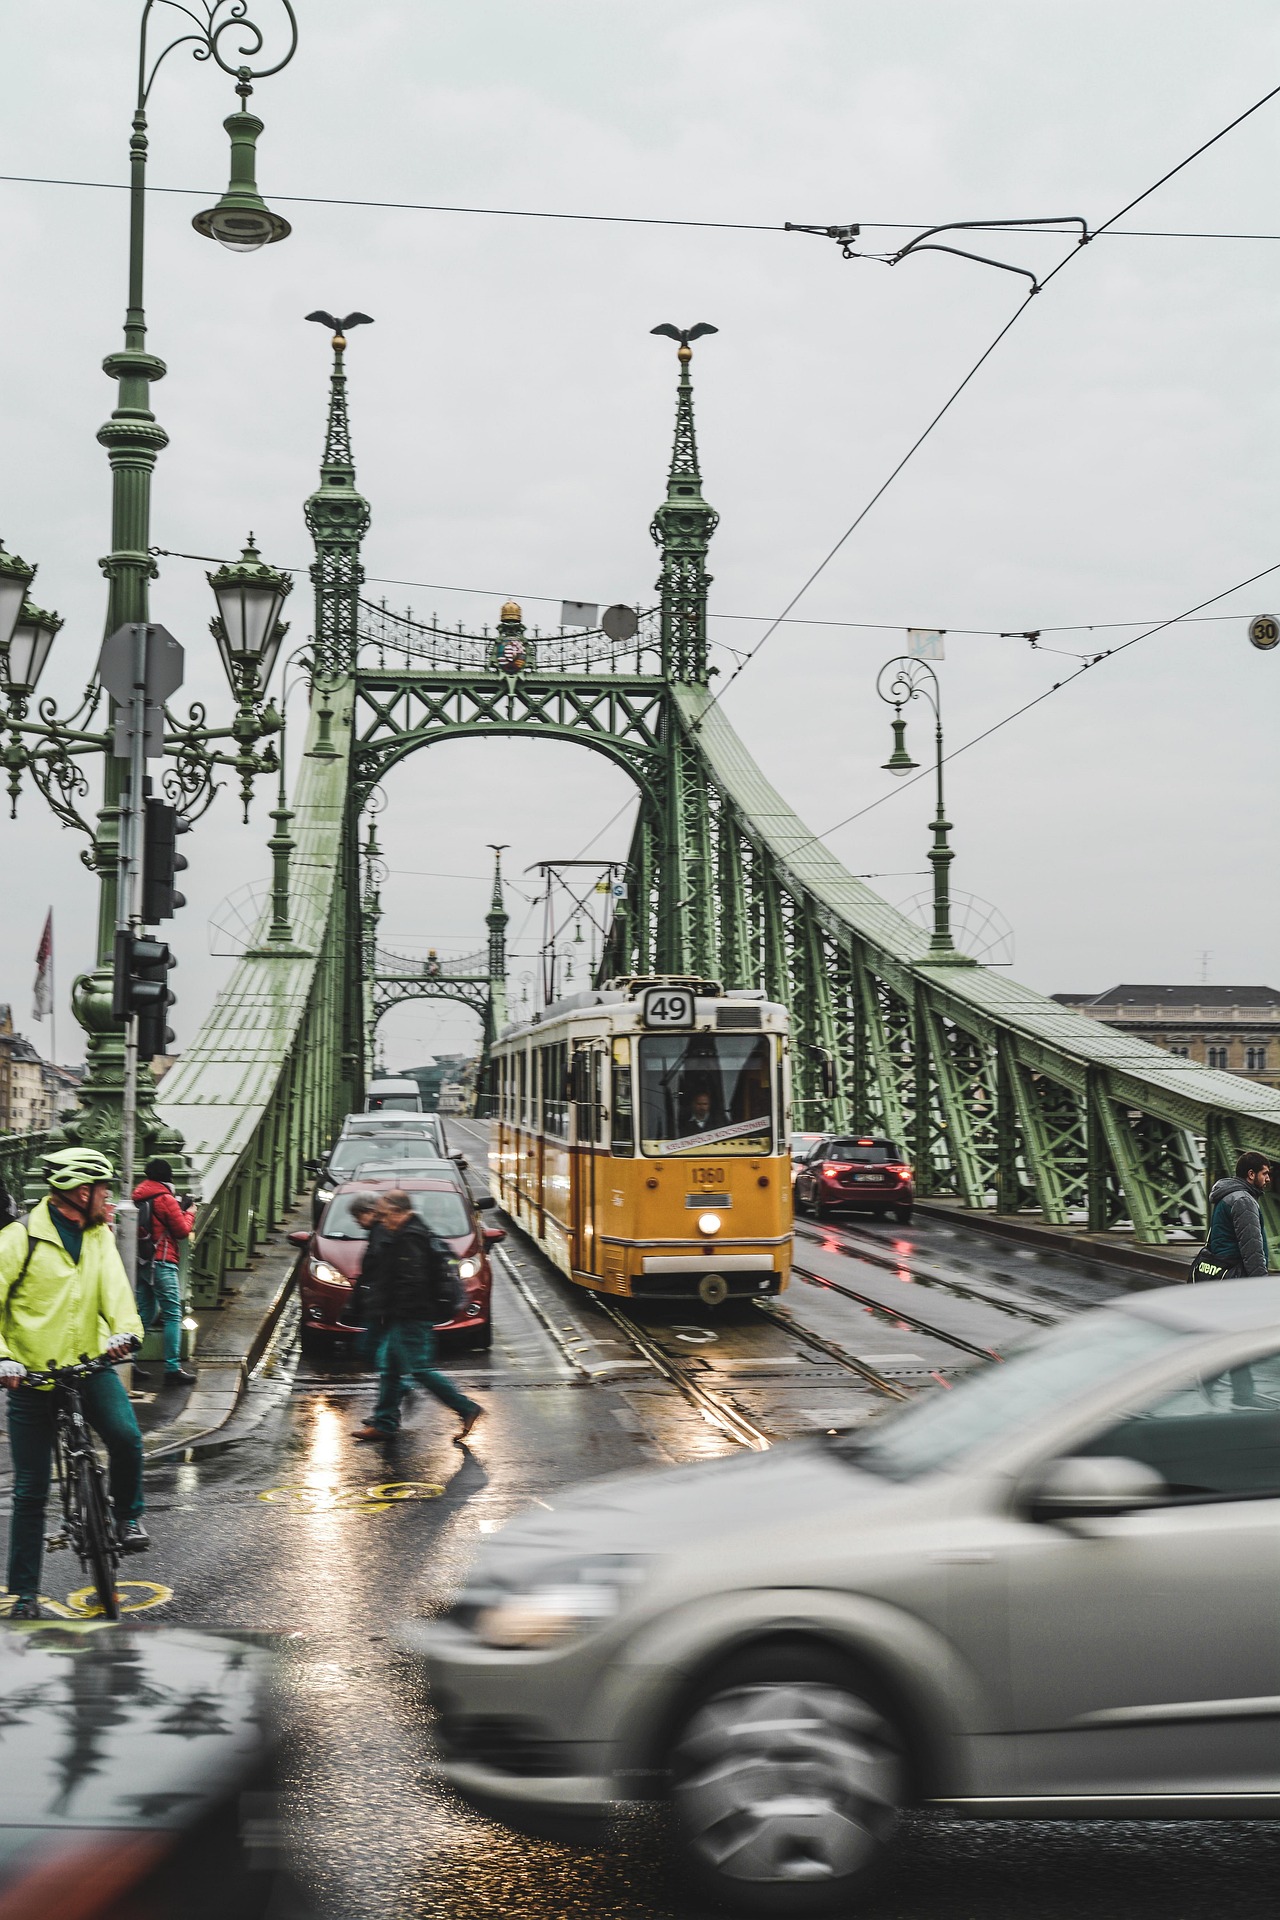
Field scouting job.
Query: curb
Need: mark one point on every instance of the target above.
(210, 1409)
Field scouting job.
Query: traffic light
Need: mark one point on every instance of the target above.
(161, 861)
(140, 985)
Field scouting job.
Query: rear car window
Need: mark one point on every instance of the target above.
(861, 1152)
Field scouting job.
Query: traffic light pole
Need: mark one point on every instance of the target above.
(128, 922)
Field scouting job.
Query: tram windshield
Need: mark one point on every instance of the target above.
(701, 1091)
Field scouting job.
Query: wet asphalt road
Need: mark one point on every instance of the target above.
(301, 1531)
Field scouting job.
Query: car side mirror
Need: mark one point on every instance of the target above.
(494, 1234)
(460, 1161)
(484, 1200)
(311, 1166)
(1091, 1485)
(299, 1237)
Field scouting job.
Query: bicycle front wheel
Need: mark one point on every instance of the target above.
(98, 1536)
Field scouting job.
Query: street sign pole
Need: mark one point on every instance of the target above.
(141, 664)
(128, 910)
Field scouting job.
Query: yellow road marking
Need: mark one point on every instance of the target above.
(373, 1499)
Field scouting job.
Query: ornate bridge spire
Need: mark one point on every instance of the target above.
(496, 921)
(682, 527)
(338, 518)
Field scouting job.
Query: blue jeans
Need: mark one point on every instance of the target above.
(405, 1354)
(32, 1416)
(160, 1298)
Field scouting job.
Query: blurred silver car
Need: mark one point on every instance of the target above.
(1051, 1592)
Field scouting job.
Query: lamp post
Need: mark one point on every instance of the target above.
(51, 748)
(898, 683)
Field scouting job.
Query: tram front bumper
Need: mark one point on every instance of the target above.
(684, 1276)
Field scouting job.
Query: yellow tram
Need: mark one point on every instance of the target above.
(640, 1135)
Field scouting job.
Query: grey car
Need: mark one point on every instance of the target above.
(1051, 1592)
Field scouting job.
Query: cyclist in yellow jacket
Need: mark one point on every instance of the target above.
(64, 1293)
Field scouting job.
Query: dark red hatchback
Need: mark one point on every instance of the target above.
(858, 1172)
(333, 1254)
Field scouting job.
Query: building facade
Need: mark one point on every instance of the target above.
(33, 1092)
(1236, 1029)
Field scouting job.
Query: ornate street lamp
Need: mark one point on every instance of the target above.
(911, 679)
(28, 649)
(248, 628)
(54, 747)
(15, 580)
(242, 220)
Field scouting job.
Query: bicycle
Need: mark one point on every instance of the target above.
(88, 1523)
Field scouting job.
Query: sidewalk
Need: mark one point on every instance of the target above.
(230, 1342)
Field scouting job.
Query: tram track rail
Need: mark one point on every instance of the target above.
(898, 1314)
(864, 1247)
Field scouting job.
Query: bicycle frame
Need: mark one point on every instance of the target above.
(74, 1457)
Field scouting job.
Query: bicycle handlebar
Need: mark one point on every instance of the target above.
(80, 1369)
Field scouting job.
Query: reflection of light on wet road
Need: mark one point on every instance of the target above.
(320, 1472)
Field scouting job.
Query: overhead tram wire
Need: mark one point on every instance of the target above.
(981, 360)
(596, 219)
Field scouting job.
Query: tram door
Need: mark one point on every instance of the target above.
(587, 1079)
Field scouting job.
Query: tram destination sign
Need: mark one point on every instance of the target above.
(670, 1008)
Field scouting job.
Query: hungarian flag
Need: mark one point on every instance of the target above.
(44, 971)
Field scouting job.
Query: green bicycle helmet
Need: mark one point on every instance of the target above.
(76, 1167)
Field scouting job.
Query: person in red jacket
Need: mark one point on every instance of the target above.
(159, 1289)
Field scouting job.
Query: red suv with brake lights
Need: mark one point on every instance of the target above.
(334, 1254)
(858, 1172)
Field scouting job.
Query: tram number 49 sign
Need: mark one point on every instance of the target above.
(1264, 631)
(668, 1007)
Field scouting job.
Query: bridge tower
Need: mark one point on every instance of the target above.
(338, 517)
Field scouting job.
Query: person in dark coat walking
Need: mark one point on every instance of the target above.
(1237, 1237)
(409, 1294)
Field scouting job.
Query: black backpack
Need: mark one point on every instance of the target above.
(146, 1230)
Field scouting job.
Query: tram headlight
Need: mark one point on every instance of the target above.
(708, 1223)
(573, 1596)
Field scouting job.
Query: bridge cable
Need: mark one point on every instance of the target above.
(955, 395)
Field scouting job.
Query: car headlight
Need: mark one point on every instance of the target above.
(321, 1270)
(468, 1269)
(571, 1597)
(324, 1193)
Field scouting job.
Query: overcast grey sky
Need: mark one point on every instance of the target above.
(1115, 460)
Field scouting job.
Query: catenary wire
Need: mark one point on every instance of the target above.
(601, 219)
(949, 402)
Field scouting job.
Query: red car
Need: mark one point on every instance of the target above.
(334, 1254)
(859, 1172)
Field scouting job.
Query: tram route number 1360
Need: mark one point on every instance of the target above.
(668, 1007)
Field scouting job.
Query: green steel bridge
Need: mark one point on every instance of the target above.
(1006, 1101)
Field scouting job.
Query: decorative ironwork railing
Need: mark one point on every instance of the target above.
(433, 966)
(388, 639)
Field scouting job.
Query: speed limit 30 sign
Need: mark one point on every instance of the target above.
(1264, 631)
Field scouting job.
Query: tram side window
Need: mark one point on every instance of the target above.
(522, 1075)
(624, 1141)
(555, 1103)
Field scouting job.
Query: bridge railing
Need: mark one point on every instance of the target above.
(259, 1089)
(389, 639)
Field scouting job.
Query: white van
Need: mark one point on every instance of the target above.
(393, 1096)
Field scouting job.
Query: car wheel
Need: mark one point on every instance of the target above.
(877, 1213)
(787, 1777)
(903, 1215)
(314, 1345)
(481, 1336)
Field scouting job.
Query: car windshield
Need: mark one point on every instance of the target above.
(941, 1431)
(861, 1152)
(444, 1212)
(706, 1090)
(355, 1149)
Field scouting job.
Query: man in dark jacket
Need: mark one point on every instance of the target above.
(410, 1280)
(1236, 1234)
(159, 1287)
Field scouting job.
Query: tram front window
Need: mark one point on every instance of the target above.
(702, 1090)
